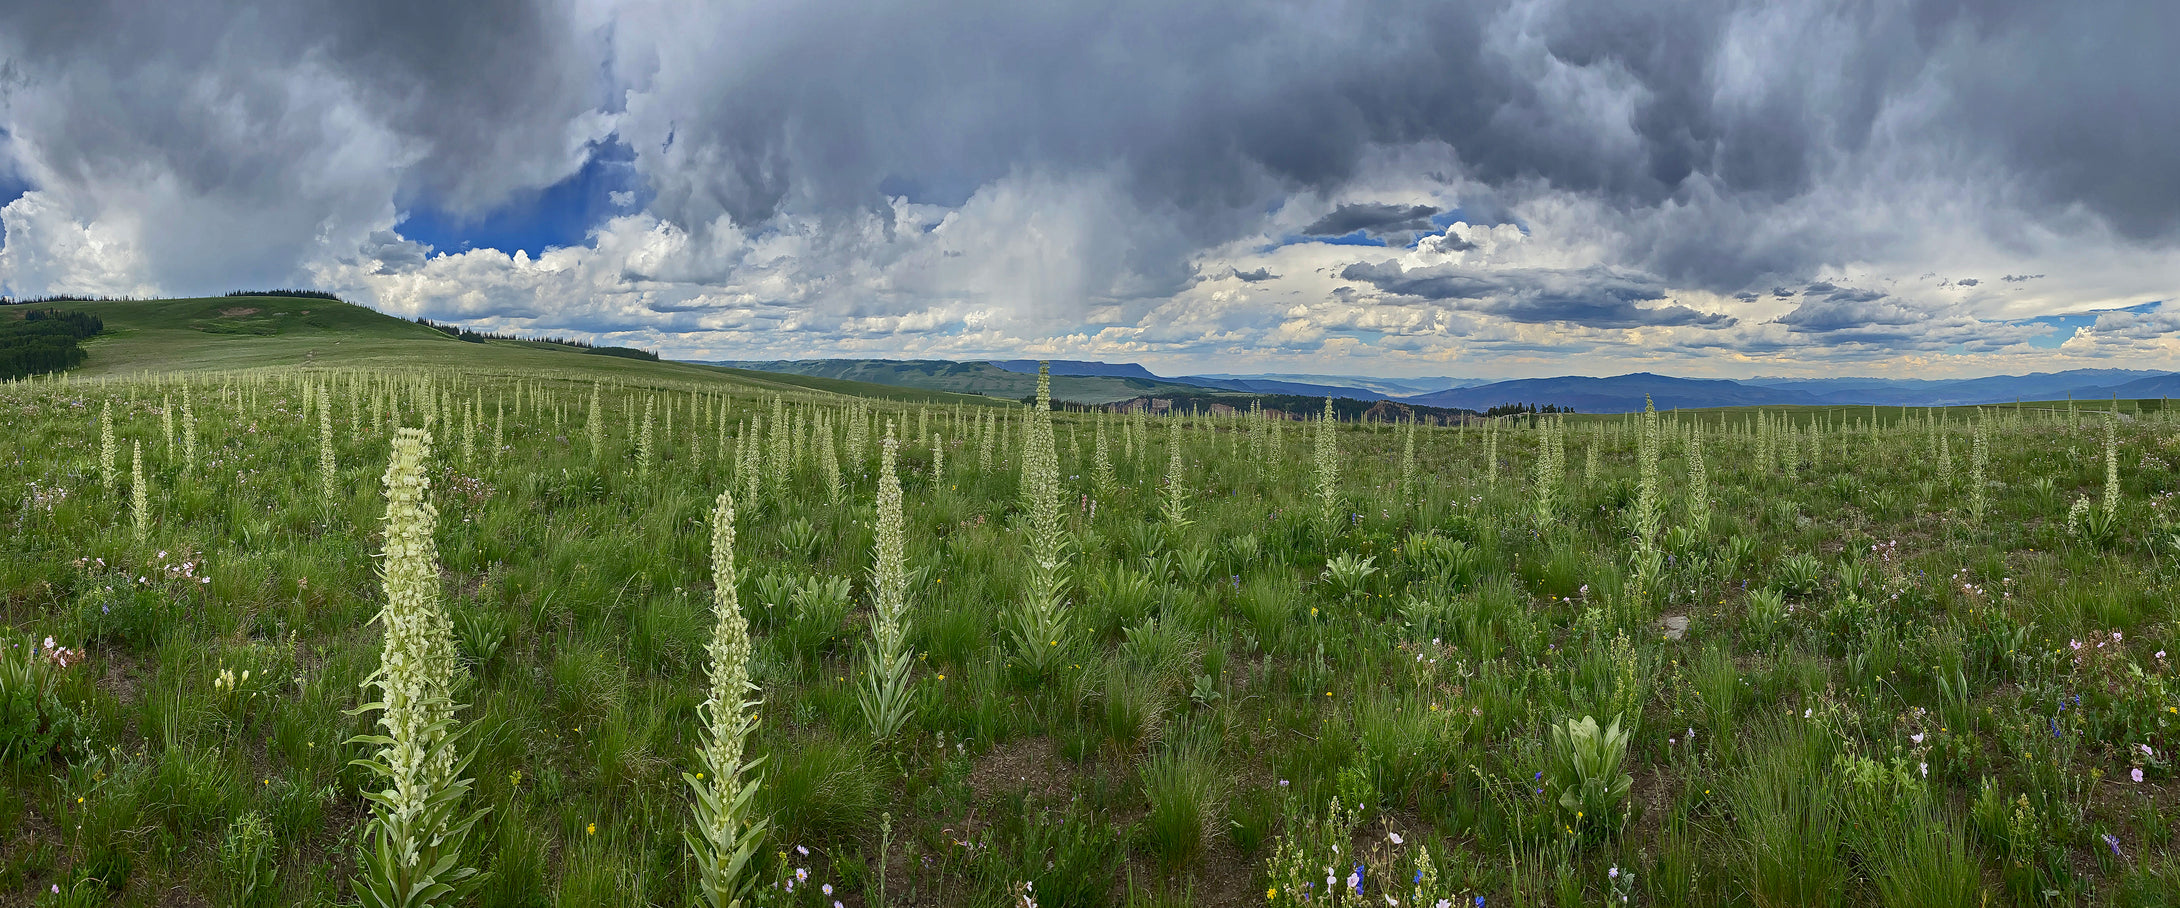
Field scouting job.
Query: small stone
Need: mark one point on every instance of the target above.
(1676, 626)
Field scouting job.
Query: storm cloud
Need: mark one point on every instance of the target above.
(967, 177)
(1592, 297)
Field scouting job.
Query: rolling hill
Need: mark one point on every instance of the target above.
(228, 333)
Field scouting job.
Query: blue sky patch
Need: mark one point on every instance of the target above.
(1357, 238)
(562, 214)
(2063, 325)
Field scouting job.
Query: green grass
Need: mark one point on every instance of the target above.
(1877, 700)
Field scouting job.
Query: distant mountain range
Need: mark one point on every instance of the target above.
(1099, 382)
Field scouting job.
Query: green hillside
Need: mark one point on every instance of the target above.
(253, 332)
(974, 378)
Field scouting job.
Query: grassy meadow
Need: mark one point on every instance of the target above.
(1730, 658)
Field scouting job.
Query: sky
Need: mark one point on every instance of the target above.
(1477, 189)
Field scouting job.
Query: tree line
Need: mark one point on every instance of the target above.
(45, 340)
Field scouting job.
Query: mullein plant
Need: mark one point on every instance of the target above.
(644, 448)
(858, 436)
(885, 693)
(188, 432)
(166, 424)
(1173, 507)
(726, 830)
(1551, 465)
(326, 466)
(1491, 454)
(829, 461)
(418, 827)
(595, 425)
(2111, 461)
(1979, 459)
(1643, 522)
(106, 471)
(1407, 463)
(1328, 464)
(1101, 463)
(139, 497)
(1699, 486)
(1042, 625)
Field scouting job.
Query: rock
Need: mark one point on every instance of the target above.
(1676, 626)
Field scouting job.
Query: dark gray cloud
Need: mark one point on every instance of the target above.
(1727, 146)
(1639, 105)
(1590, 297)
(1373, 218)
(1846, 309)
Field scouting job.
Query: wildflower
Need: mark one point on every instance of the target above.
(2113, 841)
(591, 829)
(2137, 774)
(1917, 737)
(1613, 874)
(827, 889)
(1395, 837)
(1926, 769)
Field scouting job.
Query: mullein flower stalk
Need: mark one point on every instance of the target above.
(1645, 519)
(188, 434)
(1174, 505)
(644, 449)
(858, 436)
(1101, 463)
(1979, 459)
(595, 424)
(326, 465)
(166, 423)
(1407, 463)
(1042, 625)
(2111, 460)
(1328, 463)
(725, 829)
(107, 474)
(139, 497)
(1549, 468)
(418, 826)
(1699, 485)
(1491, 454)
(829, 460)
(886, 688)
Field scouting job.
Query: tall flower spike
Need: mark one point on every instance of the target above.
(884, 696)
(724, 832)
(417, 827)
(1328, 461)
(139, 497)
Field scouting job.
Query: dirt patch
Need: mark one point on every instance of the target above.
(239, 312)
(1030, 764)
